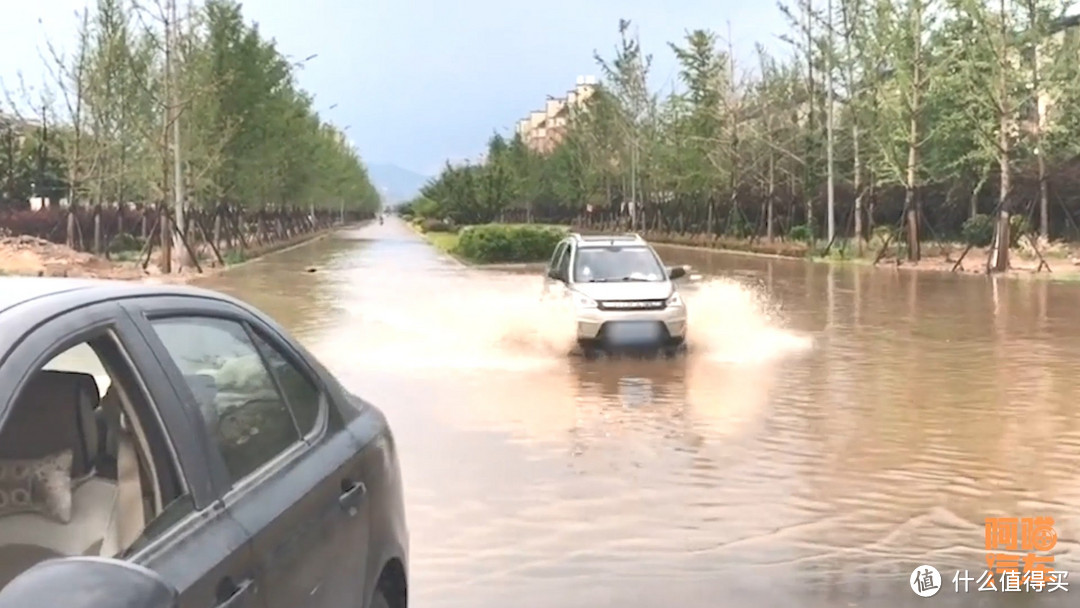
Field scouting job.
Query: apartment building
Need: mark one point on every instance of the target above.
(16, 128)
(543, 129)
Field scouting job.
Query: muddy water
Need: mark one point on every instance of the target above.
(830, 429)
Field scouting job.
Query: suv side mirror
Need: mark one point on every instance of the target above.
(677, 272)
(89, 582)
(553, 273)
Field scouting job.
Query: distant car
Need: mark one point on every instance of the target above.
(195, 451)
(623, 295)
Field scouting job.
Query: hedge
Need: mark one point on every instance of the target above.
(500, 243)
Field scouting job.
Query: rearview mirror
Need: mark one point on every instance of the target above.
(554, 274)
(88, 582)
(676, 272)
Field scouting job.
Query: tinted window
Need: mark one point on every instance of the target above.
(602, 264)
(301, 395)
(236, 394)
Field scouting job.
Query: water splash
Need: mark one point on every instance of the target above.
(467, 320)
(496, 320)
(732, 322)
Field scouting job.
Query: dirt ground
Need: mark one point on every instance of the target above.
(1063, 260)
(31, 256)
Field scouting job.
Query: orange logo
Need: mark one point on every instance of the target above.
(1028, 564)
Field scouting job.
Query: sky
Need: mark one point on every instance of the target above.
(420, 82)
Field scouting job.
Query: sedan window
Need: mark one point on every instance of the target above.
(77, 471)
(301, 395)
(236, 394)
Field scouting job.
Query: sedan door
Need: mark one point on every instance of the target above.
(193, 542)
(290, 474)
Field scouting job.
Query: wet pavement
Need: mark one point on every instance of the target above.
(830, 429)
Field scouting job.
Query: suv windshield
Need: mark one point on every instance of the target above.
(609, 264)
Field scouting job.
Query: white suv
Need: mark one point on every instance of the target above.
(623, 295)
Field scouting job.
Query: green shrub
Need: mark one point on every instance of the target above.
(740, 228)
(800, 233)
(1018, 227)
(125, 242)
(496, 243)
(978, 230)
(433, 225)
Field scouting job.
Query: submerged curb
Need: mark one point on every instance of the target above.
(269, 251)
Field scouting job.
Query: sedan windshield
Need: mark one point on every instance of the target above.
(610, 264)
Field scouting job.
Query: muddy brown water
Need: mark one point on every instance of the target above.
(830, 429)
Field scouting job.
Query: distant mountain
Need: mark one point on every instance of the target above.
(396, 184)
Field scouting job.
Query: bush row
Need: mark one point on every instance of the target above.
(500, 243)
(789, 248)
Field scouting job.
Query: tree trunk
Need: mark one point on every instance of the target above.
(770, 201)
(165, 230)
(857, 185)
(70, 237)
(911, 204)
(97, 229)
(1000, 261)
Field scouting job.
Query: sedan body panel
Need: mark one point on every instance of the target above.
(310, 528)
(307, 513)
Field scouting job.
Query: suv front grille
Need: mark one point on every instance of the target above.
(632, 305)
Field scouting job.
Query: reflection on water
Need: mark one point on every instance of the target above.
(830, 429)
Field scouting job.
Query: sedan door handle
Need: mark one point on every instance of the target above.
(241, 592)
(352, 492)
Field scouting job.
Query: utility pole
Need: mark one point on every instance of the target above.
(40, 188)
(829, 126)
(633, 184)
(9, 192)
(172, 37)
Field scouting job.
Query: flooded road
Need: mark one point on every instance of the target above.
(830, 429)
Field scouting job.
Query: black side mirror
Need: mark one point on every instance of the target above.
(554, 274)
(676, 272)
(89, 582)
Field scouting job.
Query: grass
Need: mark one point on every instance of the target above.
(234, 256)
(127, 255)
(445, 242)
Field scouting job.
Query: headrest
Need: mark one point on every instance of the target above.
(54, 412)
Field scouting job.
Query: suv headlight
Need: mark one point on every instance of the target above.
(675, 300)
(583, 301)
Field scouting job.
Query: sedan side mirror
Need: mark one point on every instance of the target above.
(89, 582)
(676, 272)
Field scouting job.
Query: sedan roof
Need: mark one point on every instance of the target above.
(15, 291)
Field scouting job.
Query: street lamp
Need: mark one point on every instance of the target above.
(300, 64)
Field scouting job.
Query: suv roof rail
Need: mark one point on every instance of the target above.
(592, 238)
